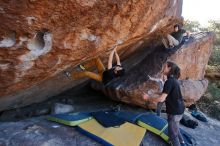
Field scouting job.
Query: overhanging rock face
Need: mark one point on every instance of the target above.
(192, 57)
(40, 39)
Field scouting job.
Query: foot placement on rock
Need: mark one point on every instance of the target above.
(81, 67)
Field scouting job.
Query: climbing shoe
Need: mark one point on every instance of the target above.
(80, 67)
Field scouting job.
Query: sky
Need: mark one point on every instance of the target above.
(201, 10)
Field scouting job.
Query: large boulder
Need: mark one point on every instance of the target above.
(40, 39)
(192, 57)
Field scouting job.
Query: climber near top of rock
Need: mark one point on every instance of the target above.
(172, 96)
(104, 75)
(176, 37)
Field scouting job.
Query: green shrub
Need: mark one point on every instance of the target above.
(207, 103)
(214, 90)
(215, 57)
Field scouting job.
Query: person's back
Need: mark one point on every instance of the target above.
(174, 101)
(172, 96)
(112, 73)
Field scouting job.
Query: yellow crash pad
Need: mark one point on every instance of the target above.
(126, 134)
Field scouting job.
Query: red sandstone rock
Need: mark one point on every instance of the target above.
(40, 39)
(192, 58)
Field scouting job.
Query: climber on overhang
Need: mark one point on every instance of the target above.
(103, 75)
(176, 37)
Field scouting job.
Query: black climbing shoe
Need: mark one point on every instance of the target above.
(80, 68)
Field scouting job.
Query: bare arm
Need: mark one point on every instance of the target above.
(110, 59)
(117, 58)
(187, 33)
(161, 98)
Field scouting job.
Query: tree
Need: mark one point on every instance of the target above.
(192, 26)
(215, 27)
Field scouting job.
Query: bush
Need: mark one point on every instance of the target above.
(215, 56)
(214, 90)
(209, 102)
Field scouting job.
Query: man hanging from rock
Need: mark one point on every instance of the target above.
(176, 37)
(175, 107)
(103, 75)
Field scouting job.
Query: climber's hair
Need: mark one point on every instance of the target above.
(177, 25)
(120, 73)
(174, 69)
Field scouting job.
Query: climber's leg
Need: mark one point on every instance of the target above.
(88, 74)
(165, 43)
(172, 40)
(100, 66)
(89, 64)
(95, 62)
